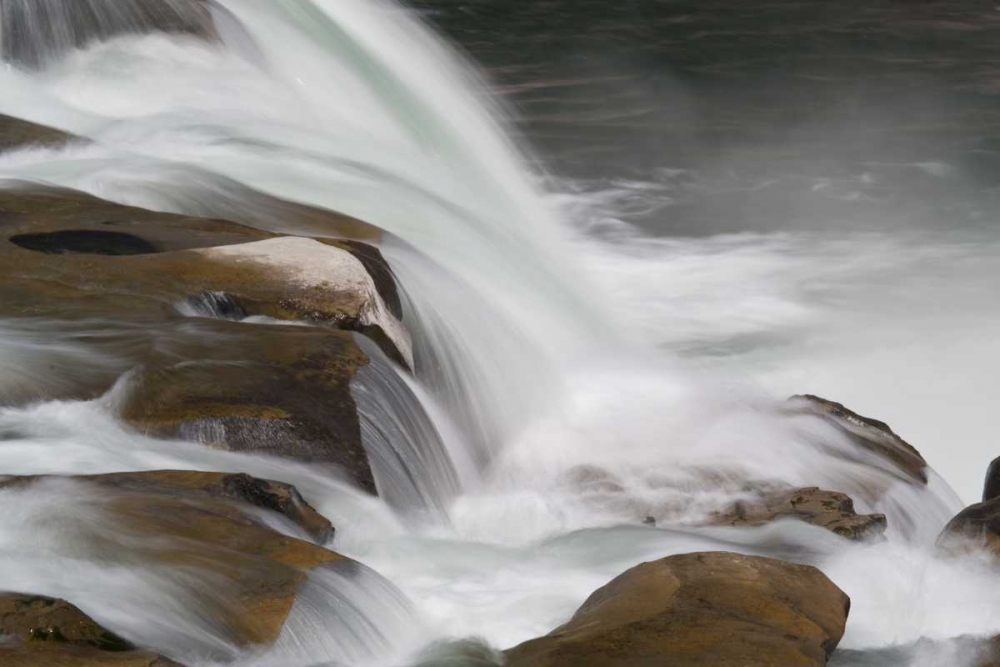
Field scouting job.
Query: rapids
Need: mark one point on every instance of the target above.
(550, 337)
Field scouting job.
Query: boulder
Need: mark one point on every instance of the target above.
(47, 632)
(868, 434)
(702, 609)
(242, 573)
(977, 525)
(991, 488)
(826, 509)
(267, 389)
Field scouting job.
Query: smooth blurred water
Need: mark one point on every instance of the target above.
(578, 367)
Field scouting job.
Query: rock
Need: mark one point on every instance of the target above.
(976, 526)
(17, 133)
(991, 489)
(826, 509)
(72, 255)
(868, 434)
(46, 632)
(242, 573)
(719, 609)
(268, 389)
(265, 494)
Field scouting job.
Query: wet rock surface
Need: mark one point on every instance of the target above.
(870, 435)
(267, 389)
(17, 133)
(825, 509)
(240, 571)
(713, 608)
(41, 631)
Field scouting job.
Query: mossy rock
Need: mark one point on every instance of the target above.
(697, 610)
(825, 509)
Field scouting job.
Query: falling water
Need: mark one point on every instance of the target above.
(538, 430)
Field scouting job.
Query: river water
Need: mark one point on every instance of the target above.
(623, 240)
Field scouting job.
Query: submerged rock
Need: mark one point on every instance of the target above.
(826, 509)
(237, 569)
(868, 434)
(17, 133)
(46, 632)
(715, 608)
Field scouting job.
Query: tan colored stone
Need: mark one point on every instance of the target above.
(710, 609)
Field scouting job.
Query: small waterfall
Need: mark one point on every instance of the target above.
(345, 615)
(408, 457)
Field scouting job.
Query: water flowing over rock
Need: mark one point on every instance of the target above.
(826, 509)
(712, 608)
(870, 435)
(46, 632)
(100, 256)
(211, 526)
(17, 133)
(34, 31)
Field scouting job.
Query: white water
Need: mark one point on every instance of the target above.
(577, 383)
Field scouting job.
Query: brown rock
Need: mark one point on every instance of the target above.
(702, 609)
(268, 389)
(826, 509)
(67, 255)
(239, 487)
(869, 434)
(17, 133)
(243, 573)
(46, 632)
(976, 526)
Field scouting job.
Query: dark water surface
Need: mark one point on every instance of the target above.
(756, 115)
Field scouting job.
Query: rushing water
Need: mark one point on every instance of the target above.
(578, 368)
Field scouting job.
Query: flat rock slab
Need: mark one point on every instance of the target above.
(712, 609)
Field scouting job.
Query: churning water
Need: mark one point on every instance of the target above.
(575, 374)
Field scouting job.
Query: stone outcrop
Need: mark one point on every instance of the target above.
(826, 509)
(870, 435)
(68, 254)
(267, 389)
(208, 525)
(719, 609)
(45, 632)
